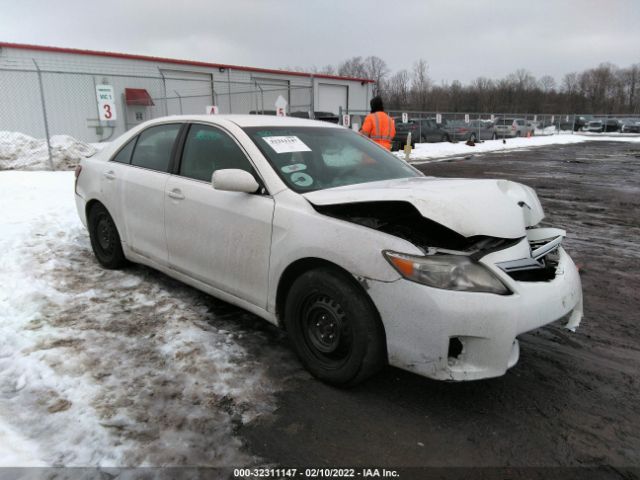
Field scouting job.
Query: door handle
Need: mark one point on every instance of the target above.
(176, 194)
(109, 174)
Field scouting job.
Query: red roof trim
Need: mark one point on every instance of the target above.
(128, 56)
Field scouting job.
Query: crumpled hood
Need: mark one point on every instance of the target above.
(496, 208)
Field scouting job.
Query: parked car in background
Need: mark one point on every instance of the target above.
(594, 126)
(575, 123)
(402, 133)
(599, 125)
(322, 116)
(630, 125)
(361, 258)
(481, 130)
(511, 127)
(431, 131)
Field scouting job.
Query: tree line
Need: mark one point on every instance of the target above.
(605, 89)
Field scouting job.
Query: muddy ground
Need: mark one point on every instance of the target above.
(572, 400)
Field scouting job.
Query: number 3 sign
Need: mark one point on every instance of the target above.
(106, 102)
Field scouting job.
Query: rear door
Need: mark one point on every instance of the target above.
(220, 238)
(143, 196)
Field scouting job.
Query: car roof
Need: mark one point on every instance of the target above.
(247, 120)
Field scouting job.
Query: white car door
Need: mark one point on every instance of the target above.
(111, 183)
(220, 238)
(143, 196)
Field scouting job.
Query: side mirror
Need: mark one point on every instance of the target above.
(234, 180)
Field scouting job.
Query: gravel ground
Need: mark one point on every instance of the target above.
(572, 400)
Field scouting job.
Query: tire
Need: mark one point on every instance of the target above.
(334, 327)
(105, 240)
(445, 138)
(494, 136)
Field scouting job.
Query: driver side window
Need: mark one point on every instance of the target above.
(208, 149)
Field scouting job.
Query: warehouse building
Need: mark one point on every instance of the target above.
(57, 90)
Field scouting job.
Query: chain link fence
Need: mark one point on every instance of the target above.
(42, 108)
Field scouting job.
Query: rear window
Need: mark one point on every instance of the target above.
(154, 147)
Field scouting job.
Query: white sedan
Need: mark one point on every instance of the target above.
(360, 257)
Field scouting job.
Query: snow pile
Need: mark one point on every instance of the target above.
(425, 152)
(117, 368)
(22, 152)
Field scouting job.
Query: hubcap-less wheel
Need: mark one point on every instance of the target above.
(326, 331)
(104, 232)
(105, 240)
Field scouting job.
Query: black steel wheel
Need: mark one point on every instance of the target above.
(334, 327)
(105, 240)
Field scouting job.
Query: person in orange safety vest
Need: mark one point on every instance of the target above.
(379, 126)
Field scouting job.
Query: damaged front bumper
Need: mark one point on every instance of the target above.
(454, 335)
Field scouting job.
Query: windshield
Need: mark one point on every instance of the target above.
(315, 158)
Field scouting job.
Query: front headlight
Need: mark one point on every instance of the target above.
(451, 272)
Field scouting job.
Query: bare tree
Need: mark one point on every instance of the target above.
(376, 70)
(420, 84)
(397, 91)
(353, 67)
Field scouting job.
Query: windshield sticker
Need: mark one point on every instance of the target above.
(287, 144)
(301, 179)
(296, 167)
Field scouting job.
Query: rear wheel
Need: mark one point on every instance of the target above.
(334, 327)
(105, 240)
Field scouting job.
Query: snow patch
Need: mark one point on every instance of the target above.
(22, 152)
(425, 152)
(117, 368)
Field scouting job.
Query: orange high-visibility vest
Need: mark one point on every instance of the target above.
(380, 128)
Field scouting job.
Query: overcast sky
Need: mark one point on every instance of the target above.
(460, 39)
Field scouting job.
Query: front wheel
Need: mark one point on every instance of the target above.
(105, 240)
(334, 327)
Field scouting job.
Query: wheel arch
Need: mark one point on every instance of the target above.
(303, 265)
(94, 202)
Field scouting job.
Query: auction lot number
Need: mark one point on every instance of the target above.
(314, 473)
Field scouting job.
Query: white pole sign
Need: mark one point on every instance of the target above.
(346, 120)
(405, 117)
(553, 118)
(438, 118)
(106, 102)
(493, 118)
(281, 106)
(212, 109)
(466, 118)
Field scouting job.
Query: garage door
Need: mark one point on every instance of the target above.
(331, 98)
(187, 92)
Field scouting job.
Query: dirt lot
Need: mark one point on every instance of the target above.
(572, 400)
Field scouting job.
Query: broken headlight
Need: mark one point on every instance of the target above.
(450, 272)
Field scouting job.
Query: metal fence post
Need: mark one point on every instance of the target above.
(179, 100)
(164, 90)
(44, 114)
